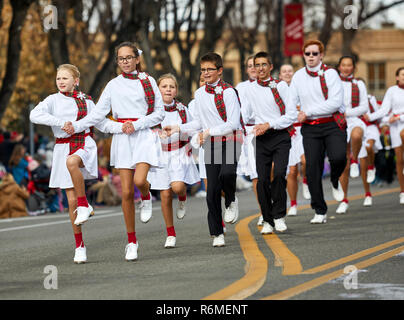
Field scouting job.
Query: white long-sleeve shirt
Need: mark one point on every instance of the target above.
(57, 109)
(363, 106)
(306, 92)
(261, 106)
(246, 112)
(206, 115)
(174, 118)
(126, 98)
(393, 101)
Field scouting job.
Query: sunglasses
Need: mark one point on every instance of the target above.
(315, 54)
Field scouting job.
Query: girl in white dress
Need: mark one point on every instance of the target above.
(74, 157)
(373, 145)
(246, 165)
(179, 166)
(296, 154)
(394, 101)
(356, 106)
(135, 100)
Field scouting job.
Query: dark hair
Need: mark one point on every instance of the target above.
(263, 54)
(214, 58)
(398, 72)
(347, 57)
(135, 52)
(16, 155)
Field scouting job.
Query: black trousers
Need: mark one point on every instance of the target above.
(221, 171)
(272, 147)
(319, 140)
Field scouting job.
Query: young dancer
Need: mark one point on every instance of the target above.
(319, 92)
(247, 164)
(74, 156)
(373, 145)
(296, 154)
(179, 166)
(217, 113)
(135, 100)
(394, 101)
(356, 105)
(269, 102)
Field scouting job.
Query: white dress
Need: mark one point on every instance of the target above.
(393, 101)
(54, 111)
(178, 165)
(126, 99)
(201, 152)
(372, 131)
(297, 149)
(246, 165)
(352, 114)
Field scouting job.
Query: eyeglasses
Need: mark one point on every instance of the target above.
(263, 65)
(209, 70)
(127, 59)
(315, 54)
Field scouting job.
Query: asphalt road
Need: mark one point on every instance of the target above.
(250, 266)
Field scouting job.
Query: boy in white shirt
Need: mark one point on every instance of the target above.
(269, 102)
(217, 113)
(319, 92)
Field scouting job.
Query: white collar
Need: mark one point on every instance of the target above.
(171, 104)
(315, 69)
(213, 84)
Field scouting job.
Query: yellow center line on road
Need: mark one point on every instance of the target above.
(257, 265)
(289, 293)
(290, 263)
(256, 268)
(352, 257)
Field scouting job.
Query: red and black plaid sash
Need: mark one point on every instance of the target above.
(77, 140)
(355, 90)
(177, 107)
(147, 87)
(219, 102)
(371, 109)
(338, 117)
(278, 99)
(148, 91)
(172, 146)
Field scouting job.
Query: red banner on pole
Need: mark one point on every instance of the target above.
(294, 36)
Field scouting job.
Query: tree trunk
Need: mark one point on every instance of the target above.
(20, 8)
(57, 39)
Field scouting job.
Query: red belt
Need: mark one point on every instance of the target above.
(174, 146)
(236, 136)
(319, 121)
(67, 140)
(298, 124)
(123, 120)
(250, 125)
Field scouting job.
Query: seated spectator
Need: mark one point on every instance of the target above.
(7, 146)
(13, 198)
(18, 165)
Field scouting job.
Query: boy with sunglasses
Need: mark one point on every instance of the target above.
(318, 90)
